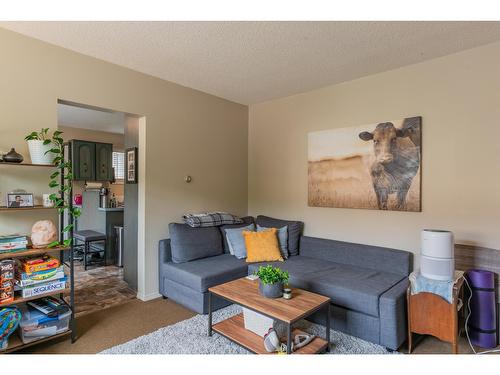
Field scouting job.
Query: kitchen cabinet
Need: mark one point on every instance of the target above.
(104, 162)
(92, 161)
(83, 158)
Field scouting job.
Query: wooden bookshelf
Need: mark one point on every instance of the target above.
(28, 164)
(21, 299)
(15, 342)
(38, 207)
(31, 251)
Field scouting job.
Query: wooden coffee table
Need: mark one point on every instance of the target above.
(245, 292)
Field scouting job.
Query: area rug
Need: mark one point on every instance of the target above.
(190, 337)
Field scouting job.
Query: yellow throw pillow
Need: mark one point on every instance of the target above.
(262, 246)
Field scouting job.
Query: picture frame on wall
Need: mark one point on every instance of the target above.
(373, 166)
(20, 200)
(131, 165)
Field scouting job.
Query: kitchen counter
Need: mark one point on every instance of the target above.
(102, 220)
(111, 209)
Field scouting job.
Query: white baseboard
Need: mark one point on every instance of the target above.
(148, 297)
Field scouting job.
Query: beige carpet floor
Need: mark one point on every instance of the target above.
(115, 325)
(118, 324)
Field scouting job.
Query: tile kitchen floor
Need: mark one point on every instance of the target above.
(100, 288)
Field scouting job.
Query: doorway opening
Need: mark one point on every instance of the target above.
(105, 239)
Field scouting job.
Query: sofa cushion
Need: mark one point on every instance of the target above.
(282, 239)
(294, 230)
(262, 246)
(352, 287)
(203, 273)
(246, 221)
(366, 256)
(296, 266)
(194, 243)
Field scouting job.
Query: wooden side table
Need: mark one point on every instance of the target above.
(430, 314)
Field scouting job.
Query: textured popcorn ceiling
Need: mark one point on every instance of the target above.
(251, 62)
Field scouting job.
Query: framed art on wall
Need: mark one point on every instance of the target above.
(131, 165)
(374, 166)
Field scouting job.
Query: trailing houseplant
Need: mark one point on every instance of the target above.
(271, 281)
(39, 143)
(64, 169)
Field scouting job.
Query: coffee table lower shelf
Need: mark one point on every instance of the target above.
(234, 330)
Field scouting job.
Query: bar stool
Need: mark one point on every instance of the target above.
(89, 239)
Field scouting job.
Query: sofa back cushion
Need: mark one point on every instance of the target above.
(294, 230)
(246, 221)
(194, 243)
(372, 257)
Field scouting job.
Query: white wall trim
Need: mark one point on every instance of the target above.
(141, 215)
(148, 297)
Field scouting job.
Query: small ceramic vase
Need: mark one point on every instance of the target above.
(13, 157)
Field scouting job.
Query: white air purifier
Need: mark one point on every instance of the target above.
(438, 255)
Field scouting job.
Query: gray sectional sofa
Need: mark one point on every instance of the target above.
(367, 284)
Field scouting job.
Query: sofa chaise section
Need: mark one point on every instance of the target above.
(368, 288)
(187, 283)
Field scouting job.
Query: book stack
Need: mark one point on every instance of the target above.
(12, 243)
(39, 275)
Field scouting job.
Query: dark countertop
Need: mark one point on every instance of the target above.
(111, 209)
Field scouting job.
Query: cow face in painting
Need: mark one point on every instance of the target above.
(384, 141)
(397, 159)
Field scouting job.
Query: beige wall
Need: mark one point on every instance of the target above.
(458, 97)
(186, 131)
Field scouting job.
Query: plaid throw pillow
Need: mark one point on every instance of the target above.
(210, 219)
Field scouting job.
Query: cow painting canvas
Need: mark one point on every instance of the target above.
(374, 166)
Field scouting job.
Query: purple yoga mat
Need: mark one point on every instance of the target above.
(482, 322)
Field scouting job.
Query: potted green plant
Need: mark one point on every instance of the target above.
(271, 281)
(39, 143)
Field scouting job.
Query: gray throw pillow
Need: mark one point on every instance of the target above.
(236, 242)
(193, 243)
(282, 239)
(246, 221)
(294, 230)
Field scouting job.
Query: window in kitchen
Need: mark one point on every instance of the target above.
(119, 165)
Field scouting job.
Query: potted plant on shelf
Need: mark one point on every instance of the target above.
(271, 281)
(39, 143)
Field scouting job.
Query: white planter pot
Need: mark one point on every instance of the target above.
(37, 152)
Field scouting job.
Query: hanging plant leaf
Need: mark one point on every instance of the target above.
(68, 227)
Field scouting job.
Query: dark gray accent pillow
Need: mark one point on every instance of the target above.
(294, 230)
(246, 221)
(194, 243)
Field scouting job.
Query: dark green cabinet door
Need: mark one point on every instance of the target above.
(104, 162)
(83, 160)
